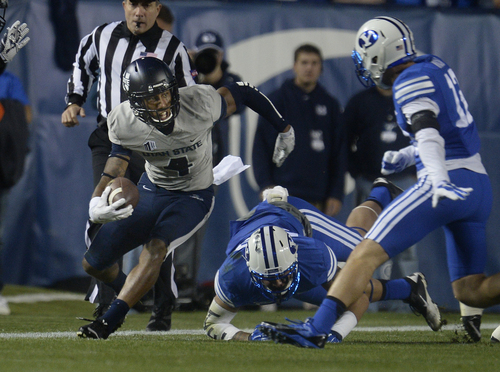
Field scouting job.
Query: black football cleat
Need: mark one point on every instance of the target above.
(98, 329)
(421, 302)
(161, 319)
(393, 189)
(472, 326)
(300, 334)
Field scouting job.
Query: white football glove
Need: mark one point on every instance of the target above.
(277, 193)
(13, 41)
(397, 161)
(448, 190)
(101, 212)
(285, 142)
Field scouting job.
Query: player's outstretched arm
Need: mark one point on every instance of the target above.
(239, 93)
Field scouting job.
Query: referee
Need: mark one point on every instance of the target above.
(103, 55)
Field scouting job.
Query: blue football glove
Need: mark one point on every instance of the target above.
(448, 190)
(257, 335)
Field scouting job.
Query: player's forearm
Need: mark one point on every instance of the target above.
(217, 323)
(432, 153)
(115, 167)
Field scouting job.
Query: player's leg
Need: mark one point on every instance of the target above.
(165, 294)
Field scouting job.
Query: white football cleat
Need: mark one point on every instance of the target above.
(495, 336)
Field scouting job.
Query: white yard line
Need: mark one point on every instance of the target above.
(195, 332)
(44, 297)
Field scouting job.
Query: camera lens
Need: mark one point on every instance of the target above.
(205, 61)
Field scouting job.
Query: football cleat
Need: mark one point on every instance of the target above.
(334, 338)
(100, 310)
(421, 302)
(161, 319)
(301, 334)
(495, 336)
(472, 325)
(98, 329)
(393, 189)
(4, 306)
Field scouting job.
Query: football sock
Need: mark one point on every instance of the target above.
(116, 313)
(380, 195)
(397, 289)
(330, 310)
(118, 283)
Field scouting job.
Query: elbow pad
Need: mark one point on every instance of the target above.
(217, 323)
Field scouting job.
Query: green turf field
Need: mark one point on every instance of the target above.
(41, 336)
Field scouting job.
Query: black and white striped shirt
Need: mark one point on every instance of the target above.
(109, 49)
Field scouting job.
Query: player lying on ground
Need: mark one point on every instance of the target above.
(171, 128)
(287, 248)
(453, 190)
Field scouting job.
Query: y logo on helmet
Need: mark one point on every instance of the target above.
(367, 39)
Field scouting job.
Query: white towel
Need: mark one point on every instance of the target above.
(227, 168)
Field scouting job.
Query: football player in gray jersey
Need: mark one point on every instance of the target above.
(170, 128)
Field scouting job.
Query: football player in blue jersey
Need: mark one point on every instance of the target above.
(453, 190)
(285, 247)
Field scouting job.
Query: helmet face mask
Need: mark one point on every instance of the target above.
(152, 92)
(381, 43)
(271, 257)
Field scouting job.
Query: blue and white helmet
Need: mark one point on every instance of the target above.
(381, 43)
(271, 256)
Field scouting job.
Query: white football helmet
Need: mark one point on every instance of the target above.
(381, 43)
(271, 256)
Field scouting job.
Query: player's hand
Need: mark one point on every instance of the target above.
(394, 162)
(69, 117)
(101, 212)
(13, 41)
(284, 146)
(257, 335)
(448, 190)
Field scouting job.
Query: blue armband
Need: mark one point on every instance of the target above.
(248, 95)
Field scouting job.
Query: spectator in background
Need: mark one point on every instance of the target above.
(315, 170)
(66, 31)
(13, 127)
(123, 41)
